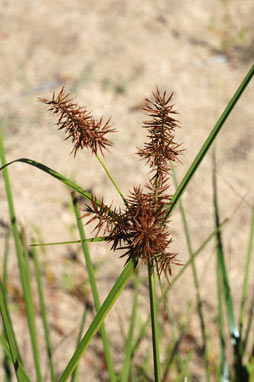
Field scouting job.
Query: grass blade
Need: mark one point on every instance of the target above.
(223, 367)
(75, 374)
(128, 347)
(154, 323)
(248, 327)
(183, 374)
(99, 318)
(20, 258)
(226, 288)
(247, 273)
(186, 179)
(195, 254)
(13, 350)
(175, 337)
(172, 351)
(43, 313)
(93, 287)
(241, 373)
(196, 283)
(30, 312)
(5, 345)
(51, 172)
(6, 254)
(142, 333)
(89, 240)
(7, 359)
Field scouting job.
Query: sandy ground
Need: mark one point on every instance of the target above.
(111, 55)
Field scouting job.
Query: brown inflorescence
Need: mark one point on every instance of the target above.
(79, 124)
(160, 148)
(139, 228)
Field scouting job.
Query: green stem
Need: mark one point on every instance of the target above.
(126, 368)
(154, 323)
(110, 177)
(89, 240)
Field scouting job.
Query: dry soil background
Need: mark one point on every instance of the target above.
(111, 55)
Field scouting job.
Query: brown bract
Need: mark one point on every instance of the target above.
(79, 124)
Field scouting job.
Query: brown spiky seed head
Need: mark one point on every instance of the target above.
(138, 229)
(79, 124)
(160, 148)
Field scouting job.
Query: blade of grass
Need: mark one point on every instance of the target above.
(7, 359)
(19, 253)
(144, 367)
(183, 374)
(204, 149)
(5, 345)
(196, 283)
(141, 335)
(43, 314)
(75, 374)
(174, 349)
(154, 322)
(89, 240)
(30, 312)
(223, 367)
(234, 332)
(51, 172)
(99, 318)
(13, 350)
(93, 287)
(9, 318)
(128, 347)
(241, 373)
(247, 273)
(248, 327)
(6, 254)
(173, 331)
(196, 253)
(171, 352)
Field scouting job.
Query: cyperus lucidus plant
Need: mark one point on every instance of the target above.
(139, 227)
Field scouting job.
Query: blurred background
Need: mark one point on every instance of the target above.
(111, 55)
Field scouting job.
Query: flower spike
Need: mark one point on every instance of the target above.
(160, 148)
(79, 124)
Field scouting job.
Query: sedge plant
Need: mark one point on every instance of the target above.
(139, 230)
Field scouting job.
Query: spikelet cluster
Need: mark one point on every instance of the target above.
(79, 124)
(160, 148)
